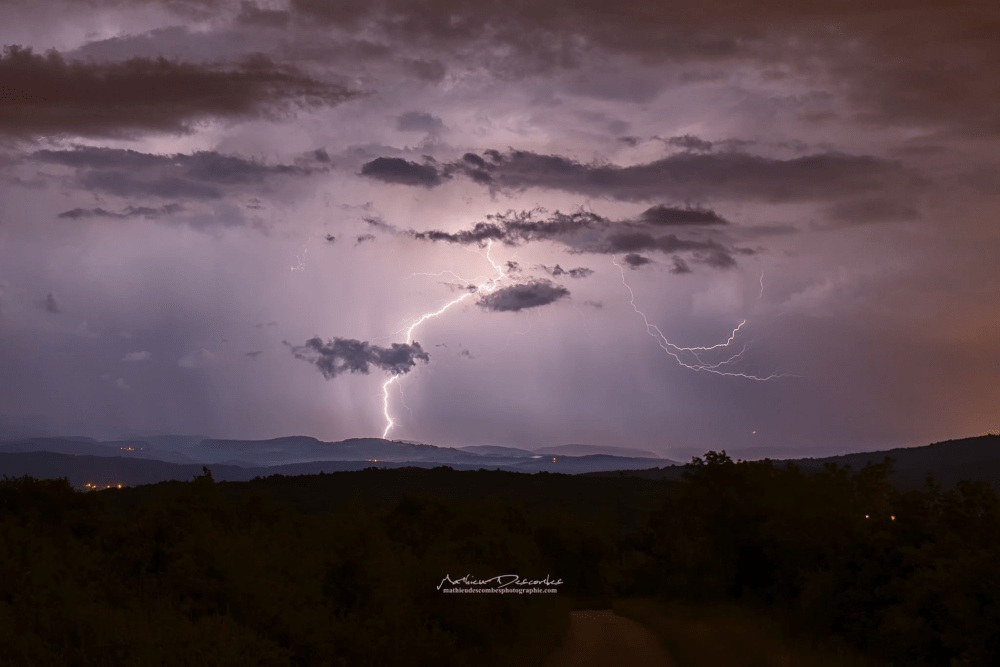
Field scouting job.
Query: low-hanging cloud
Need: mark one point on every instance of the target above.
(635, 260)
(349, 355)
(671, 215)
(419, 121)
(402, 172)
(680, 266)
(690, 143)
(733, 175)
(525, 295)
(556, 271)
(129, 212)
(252, 15)
(875, 209)
(588, 232)
(142, 95)
(202, 175)
(50, 304)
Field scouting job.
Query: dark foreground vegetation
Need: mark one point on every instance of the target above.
(343, 569)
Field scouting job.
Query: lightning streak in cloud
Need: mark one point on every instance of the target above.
(484, 287)
(676, 351)
(300, 259)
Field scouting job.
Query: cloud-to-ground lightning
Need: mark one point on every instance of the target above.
(484, 287)
(300, 258)
(515, 333)
(676, 350)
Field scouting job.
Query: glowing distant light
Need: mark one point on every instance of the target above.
(753, 432)
(553, 459)
(893, 518)
(866, 516)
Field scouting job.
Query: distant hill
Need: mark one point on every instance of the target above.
(82, 469)
(950, 461)
(492, 450)
(173, 443)
(79, 446)
(301, 449)
(133, 462)
(296, 450)
(584, 450)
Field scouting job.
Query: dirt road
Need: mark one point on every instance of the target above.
(605, 639)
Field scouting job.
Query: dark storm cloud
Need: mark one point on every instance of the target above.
(331, 238)
(427, 70)
(348, 355)
(670, 215)
(730, 175)
(586, 232)
(200, 165)
(129, 173)
(365, 237)
(50, 304)
(142, 95)
(690, 143)
(931, 67)
(403, 172)
(378, 223)
(680, 266)
(556, 271)
(519, 297)
(521, 39)
(124, 184)
(418, 121)
(738, 176)
(514, 227)
(128, 212)
(901, 63)
(876, 209)
(635, 260)
(252, 15)
(718, 259)
(709, 252)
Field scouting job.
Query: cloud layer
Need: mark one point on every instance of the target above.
(514, 298)
(349, 355)
(729, 176)
(141, 95)
(591, 233)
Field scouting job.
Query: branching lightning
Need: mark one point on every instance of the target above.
(300, 258)
(516, 333)
(486, 286)
(698, 364)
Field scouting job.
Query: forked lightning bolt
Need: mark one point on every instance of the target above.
(484, 287)
(300, 259)
(676, 350)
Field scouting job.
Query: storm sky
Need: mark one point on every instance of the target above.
(225, 218)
